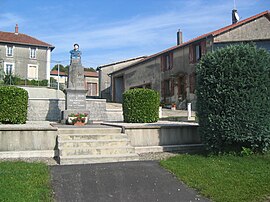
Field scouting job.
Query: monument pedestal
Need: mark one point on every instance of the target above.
(75, 92)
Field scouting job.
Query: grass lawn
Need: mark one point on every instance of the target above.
(224, 178)
(21, 181)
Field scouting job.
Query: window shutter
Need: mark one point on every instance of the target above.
(162, 63)
(162, 89)
(179, 86)
(171, 60)
(192, 82)
(191, 54)
(203, 47)
(172, 87)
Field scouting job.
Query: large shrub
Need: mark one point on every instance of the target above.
(233, 98)
(13, 105)
(140, 105)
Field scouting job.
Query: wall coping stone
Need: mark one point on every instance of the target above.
(29, 126)
(157, 125)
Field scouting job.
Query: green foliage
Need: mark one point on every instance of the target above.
(22, 181)
(13, 105)
(233, 99)
(15, 80)
(90, 69)
(61, 68)
(141, 106)
(224, 178)
(246, 151)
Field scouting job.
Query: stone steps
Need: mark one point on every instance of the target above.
(113, 136)
(97, 151)
(94, 145)
(91, 159)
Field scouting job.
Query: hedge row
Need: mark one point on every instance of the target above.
(233, 99)
(141, 106)
(13, 105)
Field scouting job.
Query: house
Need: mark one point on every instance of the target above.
(91, 81)
(105, 79)
(172, 71)
(25, 56)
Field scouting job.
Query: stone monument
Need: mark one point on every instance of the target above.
(75, 91)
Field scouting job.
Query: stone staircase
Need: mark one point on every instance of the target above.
(94, 145)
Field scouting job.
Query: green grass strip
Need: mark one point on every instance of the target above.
(21, 181)
(224, 178)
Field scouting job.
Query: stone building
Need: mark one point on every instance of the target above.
(105, 79)
(25, 56)
(172, 71)
(91, 81)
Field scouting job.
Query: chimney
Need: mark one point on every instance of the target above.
(235, 16)
(179, 37)
(16, 29)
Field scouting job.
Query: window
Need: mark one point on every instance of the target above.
(196, 51)
(92, 89)
(167, 62)
(167, 88)
(9, 68)
(9, 52)
(32, 72)
(33, 53)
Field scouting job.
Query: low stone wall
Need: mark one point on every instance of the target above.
(97, 108)
(29, 140)
(162, 136)
(43, 109)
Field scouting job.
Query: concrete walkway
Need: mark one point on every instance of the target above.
(119, 182)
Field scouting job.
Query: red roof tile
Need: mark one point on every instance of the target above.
(55, 72)
(90, 74)
(18, 38)
(86, 73)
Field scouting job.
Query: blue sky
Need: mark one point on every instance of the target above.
(113, 30)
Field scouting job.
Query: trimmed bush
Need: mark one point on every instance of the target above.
(13, 105)
(233, 99)
(141, 106)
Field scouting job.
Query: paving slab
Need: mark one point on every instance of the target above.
(120, 182)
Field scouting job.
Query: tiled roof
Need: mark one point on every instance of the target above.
(86, 73)
(90, 74)
(122, 61)
(55, 73)
(18, 38)
(213, 33)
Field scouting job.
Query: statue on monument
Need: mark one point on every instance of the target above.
(75, 53)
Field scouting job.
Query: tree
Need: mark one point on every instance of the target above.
(90, 69)
(61, 68)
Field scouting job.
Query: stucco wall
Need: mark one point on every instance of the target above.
(105, 80)
(257, 29)
(21, 59)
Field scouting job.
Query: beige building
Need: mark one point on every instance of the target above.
(25, 56)
(172, 71)
(105, 79)
(91, 81)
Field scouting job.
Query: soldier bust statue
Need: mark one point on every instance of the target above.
(75, 53)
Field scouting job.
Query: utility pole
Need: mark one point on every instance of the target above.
(58, 76)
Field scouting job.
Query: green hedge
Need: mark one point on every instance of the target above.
(13, 105)
(233, 99)
(141, 105)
